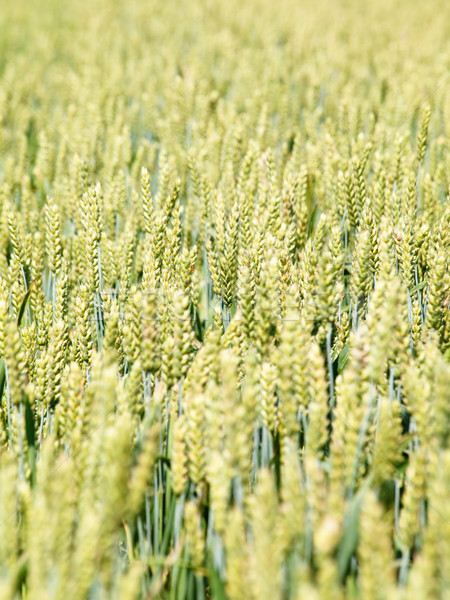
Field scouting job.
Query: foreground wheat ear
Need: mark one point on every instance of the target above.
(224, 300)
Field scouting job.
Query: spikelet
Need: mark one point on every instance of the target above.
(412, 515)
(141, 473)
(134, 392)
(194, 535)
(195, 435)
(237, 556)
(53, 237)
(354, 400)
(362, 277)
(15, 363)
(218, 474)
(293, 506)
(268, 409)
(82, 342)
(267, 307)
(150, 334)
(374, 551)
(183, 336)
(147, 201)
(438, 291)
(430, 576)
(131, 329)
(179, 457)
(247, 296)
(422, 138)
(266, 552)
(8, 477)
(56, 359)
(292, 388)
(386, 453)
(112, 339)
(316, 435)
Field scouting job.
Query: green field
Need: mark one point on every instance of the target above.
(224, 300)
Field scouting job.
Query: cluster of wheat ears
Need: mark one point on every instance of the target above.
(224, 300)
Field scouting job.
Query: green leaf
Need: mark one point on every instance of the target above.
(30, 432)
(349, 540)
(29, 422)
(168, 526)
(343, 358)
(447, 355)
(182, 584)
(313, 220)
(217, 586)
(19, 574)
(23, 306)
(418, 287)
(163, 459)
(2, 377)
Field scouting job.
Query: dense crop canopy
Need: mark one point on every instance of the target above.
(224, 300)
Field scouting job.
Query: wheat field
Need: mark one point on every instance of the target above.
(224, 300)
